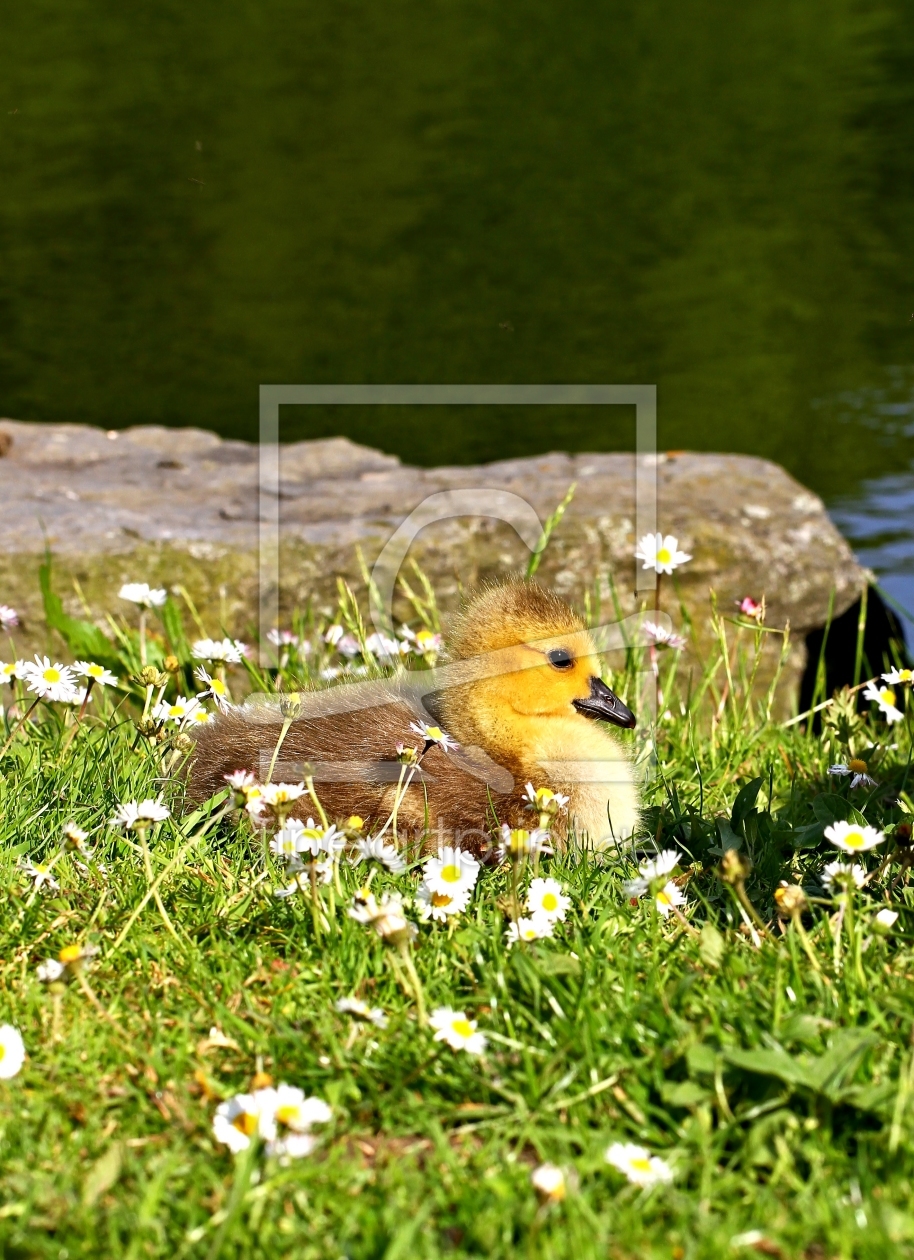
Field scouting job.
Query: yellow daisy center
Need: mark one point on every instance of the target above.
(906, 675)
(641, 1165)
(550, 901)
(433, 732)
(854, 840)
(2, 1051)
(355, 823)
(95, 671)
(462, 1027)
(245, 1123)
(424, 636)
(450, 873)
(441, 899)
(858, 765)
(70, 953)
(664, 555)
(218, 687)
(286, 1115)
(663, 899)
(51, 675)
(888, 695)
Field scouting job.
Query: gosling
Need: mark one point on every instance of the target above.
(522, 697)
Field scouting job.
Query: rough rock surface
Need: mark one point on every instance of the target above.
(181, 507)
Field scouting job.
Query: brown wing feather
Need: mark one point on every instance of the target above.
(454, 799)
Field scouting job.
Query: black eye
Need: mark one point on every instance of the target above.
(561, 658)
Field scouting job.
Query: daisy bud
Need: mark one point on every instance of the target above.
(171, 664)
(261, 1080)
(790, 900)
(290, 705)
(884, 921)
(149, 677)
(734, 867)
(183, 742)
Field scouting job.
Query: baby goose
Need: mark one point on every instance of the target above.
(520, 696)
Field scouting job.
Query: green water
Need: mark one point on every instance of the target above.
(715, 198)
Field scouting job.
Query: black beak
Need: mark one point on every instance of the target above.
(604, 705)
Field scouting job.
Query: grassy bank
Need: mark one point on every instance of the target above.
(764, 1056)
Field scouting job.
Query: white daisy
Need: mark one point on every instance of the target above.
(133, 814)
(440, 906)
(333, 634)
(659, 553)
(385, 916)
(238, 1120)
(885, 698)
(200, 717)
(638, 1164)
(650, 870)
(348, 645)
(315, 839)
(662, 638)
(75, 837)
(458, 1031)
(547, 897)
(301, 882)
(544, 799)
(425, 642)
(843, 874)
(667, 897)
(40, 873)
(100, 676)
(452, 871)
(143, 594)
(383, 647)
(853, 838)
(298, 1112)
(231, 651)
(50, 681)
(884, 921)
(517, 843)
(50, 971)
(282, 793)
(361, 1010)
(895, 677)
(241, 780)
(180, 710)
(9, 618)
(12, 1051)
(529, 928)
(215, 687)
(11, 670)
(286, 841)
(434, 735)
(549, 1183)
(375, 849)
(856, 767)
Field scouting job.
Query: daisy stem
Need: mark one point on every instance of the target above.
(153, 885)
(315, 908)
(143, 637)
(684, 921)
(106, 1015)
(287, 722)
(309, 784)
(407, 957)
(82, 711)
(147, 703)
(25, 717)
(795, 919)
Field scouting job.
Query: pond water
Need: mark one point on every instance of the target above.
(717, 199)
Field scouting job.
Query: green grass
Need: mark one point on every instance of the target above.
(781, 1094)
